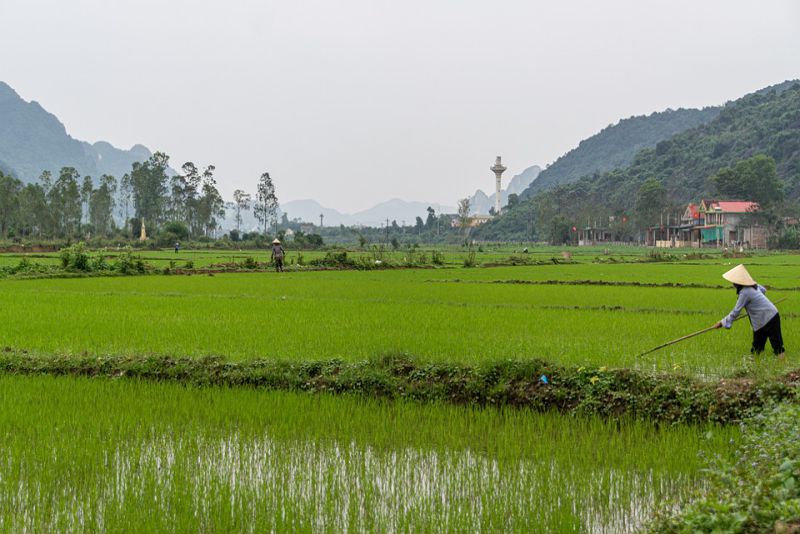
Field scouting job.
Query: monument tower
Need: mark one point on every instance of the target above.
(498, 170)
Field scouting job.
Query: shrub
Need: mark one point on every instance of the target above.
(334, 259)
(789, 239)
(99, 263)
(75, 258)
(758, 490)
(127, 263)
(469, 259)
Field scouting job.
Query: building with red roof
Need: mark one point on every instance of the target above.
(713, 223)
(731, 222)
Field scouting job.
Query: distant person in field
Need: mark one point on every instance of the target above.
(764, 316)
(277, 255)
(177, 247)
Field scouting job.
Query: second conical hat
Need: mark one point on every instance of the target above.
(739, 275)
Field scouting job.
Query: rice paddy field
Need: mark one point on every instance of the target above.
(554, 312)
(80, 454)
(92, 456)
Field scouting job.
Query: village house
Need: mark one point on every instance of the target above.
(472, 222)
(594, 233)
(712, 223)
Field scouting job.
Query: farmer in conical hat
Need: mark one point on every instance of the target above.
(277, 255)
(764, 316)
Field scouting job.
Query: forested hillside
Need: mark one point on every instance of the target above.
(616, 145)
(763, 123)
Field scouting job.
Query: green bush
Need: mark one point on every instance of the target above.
(75, 258)
(127, 263)
(177, 229)
(249, 263)
(789, 239)
(758, 490)
(334, 259)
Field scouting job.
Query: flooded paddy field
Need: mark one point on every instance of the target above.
(100, 455)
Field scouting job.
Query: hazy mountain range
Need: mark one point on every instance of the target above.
(33, 140)
(393, 210)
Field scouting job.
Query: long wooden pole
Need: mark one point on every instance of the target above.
(703, 331)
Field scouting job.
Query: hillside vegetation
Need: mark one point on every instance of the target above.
(617, 145)
(765, 123)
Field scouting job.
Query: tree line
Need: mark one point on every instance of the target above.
(187, 204)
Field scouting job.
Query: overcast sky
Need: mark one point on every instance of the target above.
(355, 102)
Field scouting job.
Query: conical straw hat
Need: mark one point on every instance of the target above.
(739, 275)
(276, 242)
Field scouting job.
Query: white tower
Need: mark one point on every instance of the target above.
(498, 170)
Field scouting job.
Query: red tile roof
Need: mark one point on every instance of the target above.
(732, 206)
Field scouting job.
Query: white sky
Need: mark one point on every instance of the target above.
(355, 102)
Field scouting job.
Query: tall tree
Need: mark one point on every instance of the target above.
(9, 202)
(210, 206)
(125, 196)
(463, 213)
(177, 208)
(751, 179)
(64, 201)
(191, 181)
(266, 206)
(86, 196)
(34, 215)
(101, 205)
(430, 220)
(50, 224)
(651, 200)
(241, 202)
(149, 185)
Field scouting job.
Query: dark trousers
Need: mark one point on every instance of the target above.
(278, 265)
(771, 331)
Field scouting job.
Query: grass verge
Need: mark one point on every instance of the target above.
(533, 384)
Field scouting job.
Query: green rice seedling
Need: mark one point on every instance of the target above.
(92, 455)
(357, 315)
